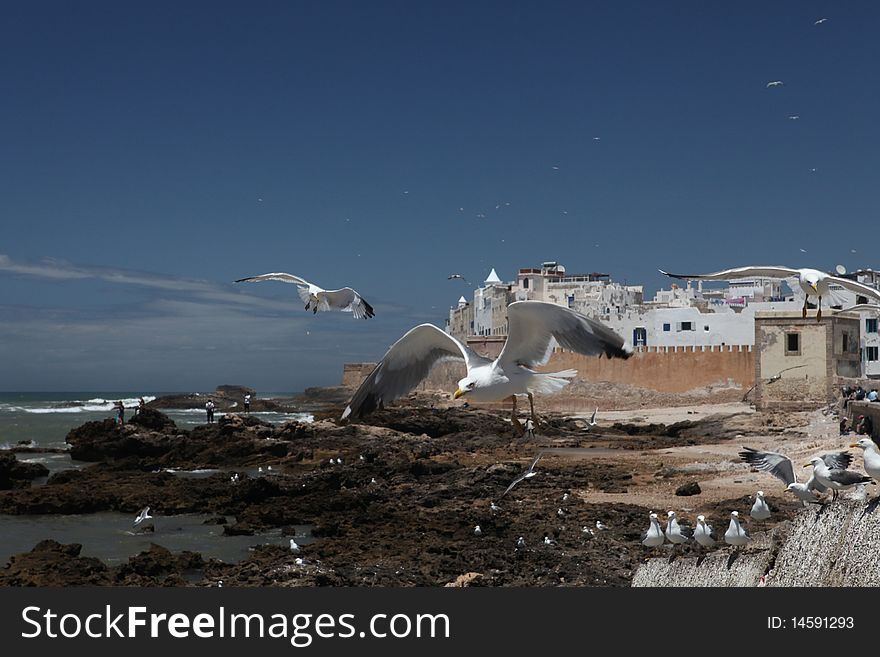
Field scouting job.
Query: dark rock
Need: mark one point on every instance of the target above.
(52, 564)
(17, 474)
(238, 529)
(215, 520)
(150, 418)
(686, 490)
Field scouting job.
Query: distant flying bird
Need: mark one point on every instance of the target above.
(534, 328)
(813, 283)
(143, 515)
(592, 421)
(803, 250)
(555, 168)
(775, 83)
(528, 474)
(794, 117)
(596, 138)
(317, 298)
(820, 21)
(457, 276)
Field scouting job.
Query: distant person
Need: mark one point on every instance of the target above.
(530, 428)
(120, 413)
(872, 396)
(247, 404)
(141, 406)
(864, 425)
(209, 410)
(844, 426)
(860, 394)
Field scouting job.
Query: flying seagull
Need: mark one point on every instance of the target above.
(820, 21)
(317, 298)
(775, 83)
(143, 515)
(813, 282)
(534, 328)
(836, 478)
(794, 117)
(592, 421)
(528, 474)
(458, 276)
(781, 467)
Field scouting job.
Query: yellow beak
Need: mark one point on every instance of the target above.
(458, 393)
(808, 465)
(854, 444)
(813, 285)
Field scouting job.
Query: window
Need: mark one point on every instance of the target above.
(792, 344)
(571, 301)
(686, 326)
(706, 328)
(526, 283)
(666, 327)
(870, 353)
(845, 346)
(871, 325)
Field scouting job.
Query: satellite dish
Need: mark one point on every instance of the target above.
(840, 269)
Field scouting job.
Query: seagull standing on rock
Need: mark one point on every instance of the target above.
(871, 456)
(736, 534)
(653, 536)
(704, 534)
(294, 547)
(836, 478)
(760, 510)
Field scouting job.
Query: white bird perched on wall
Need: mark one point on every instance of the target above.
(676, 532)
(704, 534)
(653, 536)
(781, 467)
(760, 510)
(317, 298)
(534, 328)
(871, 456)
(813, 283)
(836, 478)
(736, 534)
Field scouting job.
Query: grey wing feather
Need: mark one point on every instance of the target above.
(848, 477)
(405, 365)
(347, 300)
(302, 284)
(855, 286)
(533, 326)
(779, 465)
(838, 460)
(768, 271)
(813, 484)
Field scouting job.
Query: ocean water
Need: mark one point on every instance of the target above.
(43, 419)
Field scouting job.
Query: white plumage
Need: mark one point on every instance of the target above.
(535, 328)
(316, 298)
(813, 283)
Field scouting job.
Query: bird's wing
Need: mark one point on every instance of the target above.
(533, 325)
(771, 271)
(838, 460)
(593, 418)
(848, 477)
(405, 365)
(535, 462)
(512, 484)
(779, 465)
(346, 300)
(855, 286)
(303, 286)
(813, 484)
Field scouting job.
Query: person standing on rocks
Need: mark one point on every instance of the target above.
(247, 404)
(209, 410)
(120, 413)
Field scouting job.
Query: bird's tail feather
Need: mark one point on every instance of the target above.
(554, 381)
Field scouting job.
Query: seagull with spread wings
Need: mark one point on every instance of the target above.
(782, 467)
(813, 282)
(534, 328)
(317, 298)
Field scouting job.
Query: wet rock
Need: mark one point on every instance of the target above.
(17, 474)
(52, 564)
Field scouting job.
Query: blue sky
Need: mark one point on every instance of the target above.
(153, 153)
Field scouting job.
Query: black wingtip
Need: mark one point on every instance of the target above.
(368, 310)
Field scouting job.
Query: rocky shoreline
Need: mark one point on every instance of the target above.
(396, 507)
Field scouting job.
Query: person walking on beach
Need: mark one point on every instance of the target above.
(120, 413)
(247, 404)
(209, 409)
(530, 428)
